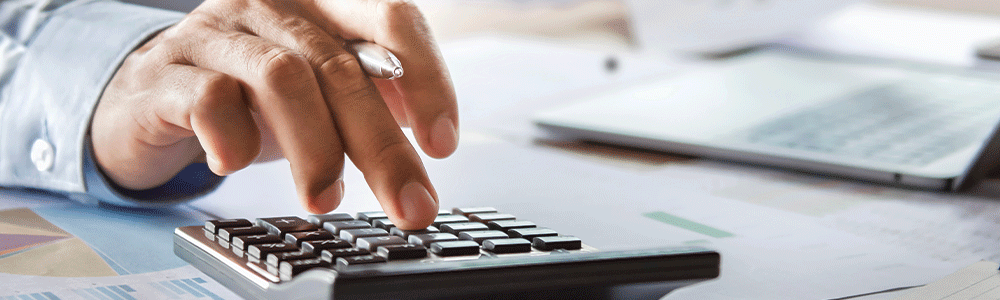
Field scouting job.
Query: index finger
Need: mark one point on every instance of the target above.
(427, 94)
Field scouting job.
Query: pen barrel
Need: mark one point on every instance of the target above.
(377, 61)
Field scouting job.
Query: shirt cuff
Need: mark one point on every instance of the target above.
(49, 102)
(192, 182)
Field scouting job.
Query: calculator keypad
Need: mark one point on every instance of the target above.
(287, 246)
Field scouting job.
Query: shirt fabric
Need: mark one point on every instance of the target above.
(56, 57)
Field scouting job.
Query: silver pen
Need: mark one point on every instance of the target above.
(377, 61)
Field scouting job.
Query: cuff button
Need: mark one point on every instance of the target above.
(42, 155)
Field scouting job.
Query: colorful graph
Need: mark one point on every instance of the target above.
(30, 245)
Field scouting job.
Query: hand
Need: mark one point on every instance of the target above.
(238, 81)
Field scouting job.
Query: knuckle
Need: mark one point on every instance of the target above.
(343, 66)
(305, 32)
(216, 90)
(390, 150)
(280, 65)
(393, 9)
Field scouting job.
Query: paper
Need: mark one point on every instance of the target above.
(57, 249)
(979, 281)
(767, 253)
(902, 33)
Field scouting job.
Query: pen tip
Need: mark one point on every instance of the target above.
(397, 72)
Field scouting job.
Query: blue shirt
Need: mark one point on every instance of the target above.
(56, 57)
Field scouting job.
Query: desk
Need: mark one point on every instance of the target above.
(916, 236)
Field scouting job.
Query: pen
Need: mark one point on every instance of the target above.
(377, 61)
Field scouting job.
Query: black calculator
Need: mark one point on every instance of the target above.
(468, 253)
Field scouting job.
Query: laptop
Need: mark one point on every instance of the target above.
(884, 123)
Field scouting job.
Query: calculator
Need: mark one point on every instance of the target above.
(468, 253)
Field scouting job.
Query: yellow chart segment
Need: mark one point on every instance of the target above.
(30, 245)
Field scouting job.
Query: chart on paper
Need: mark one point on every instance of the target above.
(76, 252)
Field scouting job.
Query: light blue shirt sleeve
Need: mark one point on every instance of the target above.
(56, 57)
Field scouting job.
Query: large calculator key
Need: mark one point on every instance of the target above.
(331, 255)
(275, 259)
(294, 267)
(319, 220)
(503, 246)
(510, 224)
(242, 242)
(317, 246)
(547, 243)
(359, 260)
(453, 248)
(486, 218)
(532, 233)
(456, 228)
(283, 225)
(214, 225)
(480, 236)
(428, 238)
(466, 211)
(262, 250)
(371, 216)
(445, 219)
(384, 224)
(406, 233)
(298, 237)
(337, 226)
(227, 234)
(353, 235)
(371, 243)
(404, 251)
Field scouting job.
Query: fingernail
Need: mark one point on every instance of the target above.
(416, 202)
(330, 198)
(444, 136)
(214, 165)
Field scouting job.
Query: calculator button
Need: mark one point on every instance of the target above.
(445, 219)
(262, 250)
(406, 233)
(359, 260)
(371, 243)
(531, 233)
(466, 211)
(510, 224)
(331, 255)
(298, 237)
(455, 228)
(294, 267)
(485, 218)
(502, 246)
(353, 235)
(317, 246)
(276, 258)
(242, 242)
(453, 248)
(480, 236)
(282, 225)
(442, 212)
(227, 234)
(428, 238)
(371, 216)
(336, 227)
(318, 220)
(384, 224)
(215, 225)
(404, 251)
(547, 243)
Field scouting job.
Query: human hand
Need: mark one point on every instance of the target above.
(238, 81)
